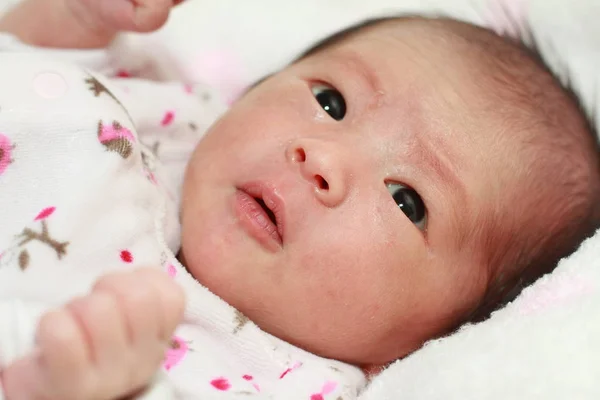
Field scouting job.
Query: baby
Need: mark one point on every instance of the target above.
(399, 179)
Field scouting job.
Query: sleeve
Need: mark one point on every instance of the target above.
(18, 320)
(170, 117)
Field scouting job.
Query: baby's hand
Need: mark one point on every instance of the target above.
(106, 345)
(112, 16)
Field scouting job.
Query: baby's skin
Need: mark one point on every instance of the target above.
(110, 343)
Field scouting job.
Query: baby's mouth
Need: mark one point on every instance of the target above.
(260, 209)
(268, 211)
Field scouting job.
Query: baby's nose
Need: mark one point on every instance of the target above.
(322, 165)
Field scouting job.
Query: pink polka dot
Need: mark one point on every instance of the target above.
(122, 73)
(168, 118)
(221, 384)
(50, 85)
(316, 397)
(175, 353)
(247, 377)
(6, 148)
(329, 387)
(126, 256)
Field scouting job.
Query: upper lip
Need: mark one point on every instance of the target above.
(270, 198)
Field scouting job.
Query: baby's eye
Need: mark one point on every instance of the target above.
(331, 100)
(409, 201)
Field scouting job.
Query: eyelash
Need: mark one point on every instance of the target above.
(338, 110)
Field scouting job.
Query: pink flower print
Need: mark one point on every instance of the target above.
(123, 73)
(45, 213)
(288, 370)
(6, 149)
(116, 138)
(328, 388)
(126, 256)
(250, 378)
(171, 270)
(168, 118)
(150, 176)
(176, 352)
(221, 384)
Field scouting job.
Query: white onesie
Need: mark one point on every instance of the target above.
(83, 193)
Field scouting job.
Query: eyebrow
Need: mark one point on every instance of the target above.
(347, 57)
(443, 167)
(361, 68)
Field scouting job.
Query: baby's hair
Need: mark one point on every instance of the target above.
(560, 146)
(560, 153)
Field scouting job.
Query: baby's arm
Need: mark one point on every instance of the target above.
(82, 23)
(105, 345)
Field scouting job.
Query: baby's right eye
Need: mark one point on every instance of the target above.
(411, 204)
(331, 100)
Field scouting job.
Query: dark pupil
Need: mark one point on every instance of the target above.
(332, 101)
(410, 203)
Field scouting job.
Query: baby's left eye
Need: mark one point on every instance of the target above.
(331, 100)
(411, 204)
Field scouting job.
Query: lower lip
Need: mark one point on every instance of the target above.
(256, 222)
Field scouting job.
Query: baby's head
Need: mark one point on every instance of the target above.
(395, 181)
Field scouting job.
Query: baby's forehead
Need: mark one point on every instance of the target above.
(395, 26)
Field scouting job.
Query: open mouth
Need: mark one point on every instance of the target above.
(267, 210)
(260, 211)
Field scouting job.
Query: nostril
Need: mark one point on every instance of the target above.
(300, 155)
(321, 182)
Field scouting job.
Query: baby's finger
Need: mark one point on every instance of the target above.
(141, 15)
(141, 303)
(103, 325)
(47, 372)
(63, 356)
(138, 303)
(171, 298)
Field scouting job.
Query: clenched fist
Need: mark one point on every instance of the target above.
(103, 346)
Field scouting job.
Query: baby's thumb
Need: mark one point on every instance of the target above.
(151, 15)
(135, 16)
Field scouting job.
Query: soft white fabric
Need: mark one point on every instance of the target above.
(83, 193)
(545, 345)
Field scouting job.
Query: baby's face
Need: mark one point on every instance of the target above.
(371, 250)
